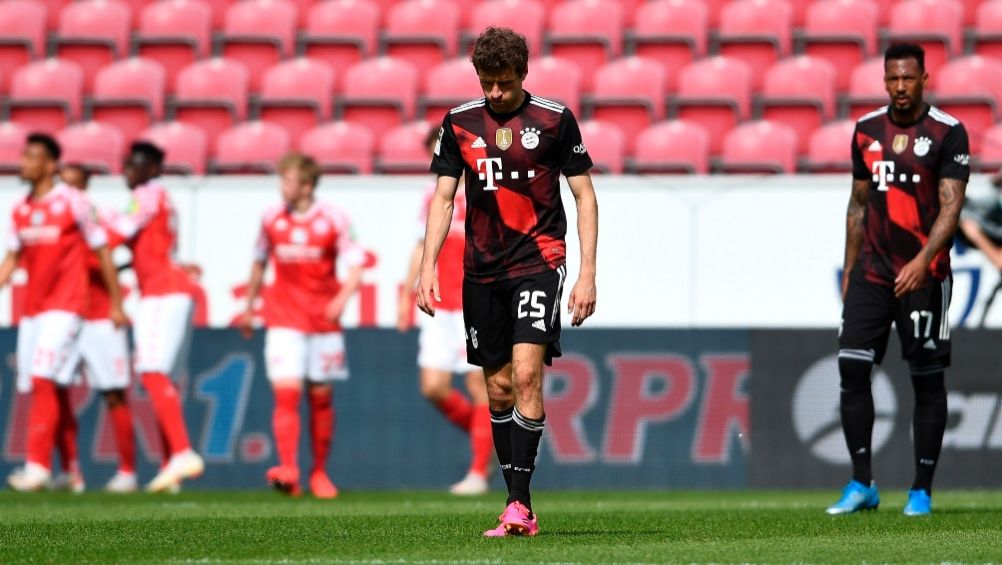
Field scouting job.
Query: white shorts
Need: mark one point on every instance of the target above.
(163, 333)
(103, 350)
(293, 355)
(45, 343)
(442, 343)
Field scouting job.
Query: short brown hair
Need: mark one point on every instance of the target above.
(499, 49)
(308, 169)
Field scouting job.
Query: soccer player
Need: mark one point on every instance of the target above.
(910, 171)
(305, 240)
(442, 350)
(52, 233)
(163, 320)
(512, 147)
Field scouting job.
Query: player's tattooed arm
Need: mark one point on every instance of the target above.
(854, 227)
(951, 200)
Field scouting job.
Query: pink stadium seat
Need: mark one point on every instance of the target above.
(756, 31)
(403, 151)
(379, 93)
(46, 95)
(673, 32)
(605, 144)
(673, 146)
(527, 17)
(987, 33)
(828, 150)
(175, 33)
(136, 7)
(970, 89)
(866, 88)
(341, 33)
(99, 147)
(556, 79)
(250, 148)
(714, 92)
(446, 86)
(212, 95)
(93, 33)
(588, 32)
(936, 25)
(842, 31)
(297, 95)
(22, 36)
(53, 9)
(340, 147)
(218, 8)
(970, 11)
(990, 157)
(799, 92)
(422, 32)
(186, 146)
(129, 94)
(629, 92)
(760, 146)
(259, 33)
(12, 137)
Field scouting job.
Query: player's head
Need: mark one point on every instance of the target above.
(300, 175)
(501, 58)
(145, 162)
(905, 76)
(40, 158)
(75, 175)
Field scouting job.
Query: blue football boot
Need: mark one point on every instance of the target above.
(919, 503)
(855, 497)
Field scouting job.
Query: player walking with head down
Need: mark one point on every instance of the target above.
(512, 147)
(910, 171)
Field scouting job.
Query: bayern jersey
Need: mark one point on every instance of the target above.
(305, 249)
(53, 236)
(450, 257)
(904, 164)
(515, 222)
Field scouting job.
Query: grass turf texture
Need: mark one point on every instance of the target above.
(403, 527)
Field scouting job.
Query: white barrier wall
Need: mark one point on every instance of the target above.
(721, 251)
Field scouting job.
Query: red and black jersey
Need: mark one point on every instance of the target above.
(904, 164)
(515, 222)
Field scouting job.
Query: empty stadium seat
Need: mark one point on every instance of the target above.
(22, 36)
(527, 17)
(12, 138)
(673, 146)
(379, 93)
(987, 32)
(186, 147)
(341, 33)
(340, 147)
(866, 88)
(53, 9)
(211, 94)
(174, 33)
(446, 86)
(673, 32)
(844, 32)
(970, 89)
(422, 32)
(258, 33)
(714, 92)
(297, 95)
(587, 32)
(990, 157)
(629, 92)
(936, 25)
(403, 151)
(250, 148)
(45, 95)
(759, 146)
(97, 146)
(129, 94)
(92, 34)
(970, 11)
(605, 144)
(556, 79)
(758, 32)
(799, 92)
(828, 150)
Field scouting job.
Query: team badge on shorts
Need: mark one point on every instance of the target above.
(900, 143)
(502, 138)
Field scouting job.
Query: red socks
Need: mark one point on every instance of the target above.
(285, 425)
(66, 434)
(121, 424)
(43, 419)
(167, 407)
(321, 427)
(457, 409)
(481, 439)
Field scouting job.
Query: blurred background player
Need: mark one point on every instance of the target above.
(163, 322)
(51, 237)
(305, 240)
(442, 345)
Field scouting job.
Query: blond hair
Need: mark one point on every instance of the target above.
(308, 169)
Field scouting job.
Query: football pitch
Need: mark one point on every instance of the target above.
(425, 527)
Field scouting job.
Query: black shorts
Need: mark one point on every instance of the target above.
(500, 314)
(921, 318)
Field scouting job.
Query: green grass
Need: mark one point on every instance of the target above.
(605, 527)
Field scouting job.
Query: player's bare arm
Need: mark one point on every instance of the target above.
(109, 275)
(854, 227)
(951, 200)
(405, 301)
(7, 267)
(350, 287)
(253, 290)
(581, 304)
(439, 220)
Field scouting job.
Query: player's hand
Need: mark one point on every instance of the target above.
(246, 324)
(911, 277)
(117, 316)
(428, 293)
(333, 310)
(582, 302)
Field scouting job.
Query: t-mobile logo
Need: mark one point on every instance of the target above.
(883, 173)
(490, 170)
